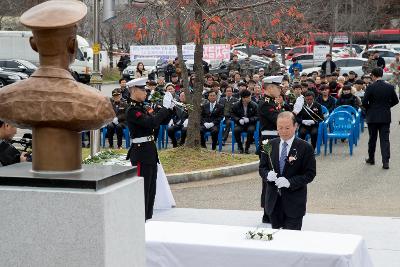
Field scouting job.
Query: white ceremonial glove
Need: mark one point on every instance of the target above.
(272, 176)
(298, 105)
(211, 124)
(115, 121)
(171, 122)
(282, 182)
(185, 123)
(311, 122)
(207, 125)
(167, 100)
(241, 121)
(246, 120)
(305, 122)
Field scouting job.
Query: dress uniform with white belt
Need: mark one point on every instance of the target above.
(143, 151)
(268, 114)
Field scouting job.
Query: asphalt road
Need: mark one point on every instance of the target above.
(344, 184)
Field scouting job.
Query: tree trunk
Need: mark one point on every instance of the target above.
(193, 135)
(283, 54)
(179, 43)
(110, 49)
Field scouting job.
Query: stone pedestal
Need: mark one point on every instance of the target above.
(93, 218)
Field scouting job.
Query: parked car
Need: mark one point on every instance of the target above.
(302, 49)
(256, 63)
(18, 65)
(306, 60)
(8, 77)
(387, 54)
(350, 64)
(150, 65)
(395, 47)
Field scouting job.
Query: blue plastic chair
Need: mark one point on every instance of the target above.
(325, 111)
(244, 135)
(356, 115)
(340, 125)
(125, 134)
(162, 139)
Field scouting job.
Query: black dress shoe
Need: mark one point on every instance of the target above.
(385, 165)
(246, 151)
(241, 151)
(370, 161)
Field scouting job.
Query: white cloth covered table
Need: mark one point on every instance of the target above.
(174, 244)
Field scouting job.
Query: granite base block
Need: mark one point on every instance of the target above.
(73, 227)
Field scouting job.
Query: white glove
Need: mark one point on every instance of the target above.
(171, 122)
(167, 100)
(241, 121)
(272, 176)
(115, 121)
(207, 125)
(308, 122)
(211, 124)
(298, 106)
(185, 123)
(246, 120)
(282, 182)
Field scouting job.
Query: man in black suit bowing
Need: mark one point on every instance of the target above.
(379, 97)
(211, 116)
(293, 167)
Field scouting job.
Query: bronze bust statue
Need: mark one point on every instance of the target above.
(51, 102)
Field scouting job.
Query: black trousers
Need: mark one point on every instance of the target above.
(227, 129)
(149, 174)
(312, 131)
(281, 220)
(214, 135)
(384, 131)
(249, 129)
(171, 134)
(115, 128)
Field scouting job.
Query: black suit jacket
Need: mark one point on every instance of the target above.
(299, 172)
(238, 112)
(379, 97)
(215, 116)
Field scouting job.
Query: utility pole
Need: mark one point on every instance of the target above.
(95, 79)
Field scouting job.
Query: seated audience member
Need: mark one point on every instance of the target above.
(325, 99)
(309, 118)
(346, 97)
(281, 105)
(227, 102)
(179, 123)
(118, 124)
(244, 113)
(211, 116)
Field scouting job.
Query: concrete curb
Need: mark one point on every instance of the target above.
(110, 82)
(175, 178)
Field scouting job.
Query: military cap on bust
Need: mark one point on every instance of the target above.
(54, 14)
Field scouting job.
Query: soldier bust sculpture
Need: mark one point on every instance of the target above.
(51, 102)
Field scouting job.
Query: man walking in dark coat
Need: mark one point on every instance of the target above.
(379, 97)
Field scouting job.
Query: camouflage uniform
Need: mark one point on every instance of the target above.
(394, 67)
(273, 68)
(368, 66)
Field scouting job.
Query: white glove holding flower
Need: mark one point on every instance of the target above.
(282, 182)
(241, 121)
(115, 121)
(246, 120)
(272, 176)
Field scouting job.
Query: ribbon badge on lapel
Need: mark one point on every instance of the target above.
(292, 157)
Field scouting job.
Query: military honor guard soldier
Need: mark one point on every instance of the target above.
(143, 151)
